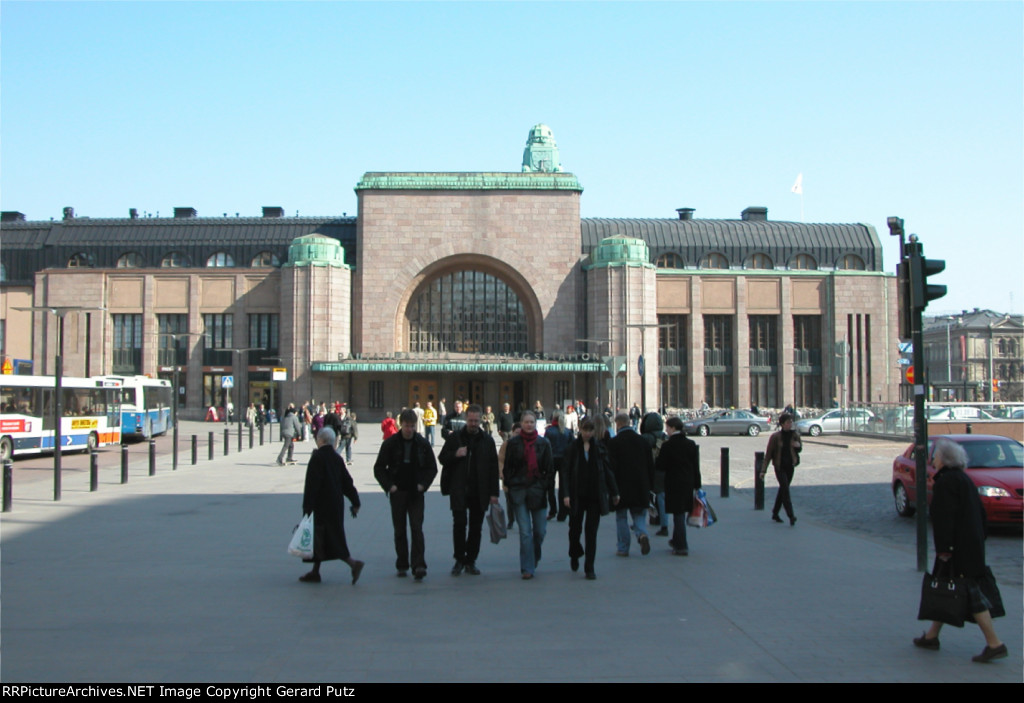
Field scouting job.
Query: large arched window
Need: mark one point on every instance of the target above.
(175, 260)
(760, 261)
(130, 260)
(803, 262)
(467, 312)
(80, 260)
(714, 260)
(669, 260)
(221, 259)
(266, 258)
(851, 262)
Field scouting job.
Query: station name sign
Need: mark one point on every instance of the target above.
(469, 358)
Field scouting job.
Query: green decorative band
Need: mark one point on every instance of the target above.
(469, 181)
(453, 367)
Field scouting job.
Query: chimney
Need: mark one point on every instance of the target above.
(685, 213)
(69, 213)
(271, 211)
(12, 216)
(755, 213)
(185, 212)
(133, 213)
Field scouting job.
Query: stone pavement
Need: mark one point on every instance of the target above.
(184, 577)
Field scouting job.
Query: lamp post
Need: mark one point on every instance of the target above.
(227, 398)
(61, 311)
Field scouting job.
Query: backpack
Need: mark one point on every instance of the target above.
(345, 427)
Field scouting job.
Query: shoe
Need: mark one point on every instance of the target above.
(552, 516)
(622, 554)
(792, 521)
(419, 574)
(681, 552)
(402, 573)
(645, 545)
(526, 576)
(671, 544)
(311, 577)
(511, 523)
(574, 564)
(990, 653)
(927, 642)
(280, 463)
(663, 532)
(471, 569)
(457, 569)
(591, 576)
(357, 568)
(776, 518)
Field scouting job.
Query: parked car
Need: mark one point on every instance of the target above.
(995, 464)
(959, 412)
(728, 422)
(838, 420)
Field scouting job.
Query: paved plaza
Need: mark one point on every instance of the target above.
(184, 576)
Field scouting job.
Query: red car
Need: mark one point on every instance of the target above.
(996, 465)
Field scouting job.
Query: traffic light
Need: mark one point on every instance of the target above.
(921, 291)
(995, 386)
(906, 310)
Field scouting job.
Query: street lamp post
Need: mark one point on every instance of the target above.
(227, 391)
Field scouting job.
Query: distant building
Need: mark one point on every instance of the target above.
(965, 353)
(485, 286)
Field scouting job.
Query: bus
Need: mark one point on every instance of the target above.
(145, 405)
(91, 414)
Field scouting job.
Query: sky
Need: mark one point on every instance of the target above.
(909, 109)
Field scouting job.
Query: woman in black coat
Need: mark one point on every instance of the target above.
(958, 526)
(328, 483)
(677, 461)
(588, 489)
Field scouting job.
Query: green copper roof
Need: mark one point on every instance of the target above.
(541, 152)
(455, 367)
(315, 250)
(620, 250)
(469, 181)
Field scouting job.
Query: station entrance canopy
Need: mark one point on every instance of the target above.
(412, 362)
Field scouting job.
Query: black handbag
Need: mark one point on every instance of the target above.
(943, 596)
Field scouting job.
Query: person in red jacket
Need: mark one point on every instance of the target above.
(388, 427)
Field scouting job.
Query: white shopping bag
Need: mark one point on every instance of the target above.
(302, 539)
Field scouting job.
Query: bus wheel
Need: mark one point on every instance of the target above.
(94, 442)
(6, 449)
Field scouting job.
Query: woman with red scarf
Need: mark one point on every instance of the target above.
(529, 468)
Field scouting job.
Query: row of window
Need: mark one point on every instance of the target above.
(800, 262)
(176, 259)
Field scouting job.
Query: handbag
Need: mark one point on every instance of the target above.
(302, 538)
(943, 596)
(497, 524)
(701, 515)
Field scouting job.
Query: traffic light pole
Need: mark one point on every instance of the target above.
(920, 437)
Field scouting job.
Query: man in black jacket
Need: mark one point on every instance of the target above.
(453, 421)
(405, 468)
(469, 476)
(633, 466)
(679, 461)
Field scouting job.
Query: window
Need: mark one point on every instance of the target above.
(562, 392)
(764, 372)
(669, 260)
(265, 258)
(468, 312)
(220, 260)
(171, 351)
(803, 262)
(80, 261)
(718, 365)
(672, 360)
(217, 336)
(130, 260)
(714, 261)
(760, 261)
(127, 348)
(376, 394)
(175, 260)
(263, 334)
(851, 262)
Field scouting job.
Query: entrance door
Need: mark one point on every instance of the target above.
(420, 391)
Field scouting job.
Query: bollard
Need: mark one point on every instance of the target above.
(250, 436)
(758, 481)
(94, 471)
(261, 435)
(8, 484)
(239, 439)
(227, 442)
(724, 471)
(152, 457)
(211, 446)
(195, 450)
(124, 463)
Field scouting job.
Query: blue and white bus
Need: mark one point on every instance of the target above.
(91, 414)
(145, 405)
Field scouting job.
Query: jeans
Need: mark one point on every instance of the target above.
(408, 504)
(348, 448)
(622, 526)
(661, 510)
(287, 447)
(430, 434)
(533, 524)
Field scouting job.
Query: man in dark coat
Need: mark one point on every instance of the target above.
(328, 483)
(633, 466)
(453, 421)
(678, 460)
(469, 476)
(405, 468)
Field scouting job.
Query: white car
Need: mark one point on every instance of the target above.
(837, 420)
(964, 412)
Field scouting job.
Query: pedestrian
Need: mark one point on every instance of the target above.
(783, 452)
(652, 429)
(633, 466)
(405, 468)
(387, 425)
(516, 429)
(587, 488)
(328, 483)
(505, 421)
(487, 421)
(420, 427)
(429, 422)
(469, 476)
(453, 421)
(634, 417)
(528, 469)
(958, 528)
(559, 438)
(678, 460)
(290, 429)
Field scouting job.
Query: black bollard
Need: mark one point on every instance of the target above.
(261, 435)
(758, 481)
(724, 471)
(94, 471)
(8, 485)
(227, 442)
(211, 446)
(152, 457)
(250, 436)
(195, 450)
(239, 439)
(124, 463)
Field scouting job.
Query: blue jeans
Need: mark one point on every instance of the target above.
(661, 511)
(622, 526)
(533, 524)
(430, 434)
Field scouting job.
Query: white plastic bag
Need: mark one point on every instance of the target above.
(302, 539)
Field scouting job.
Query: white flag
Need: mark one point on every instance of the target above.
(798, 186)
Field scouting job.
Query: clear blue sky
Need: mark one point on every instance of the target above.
(911, 109)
